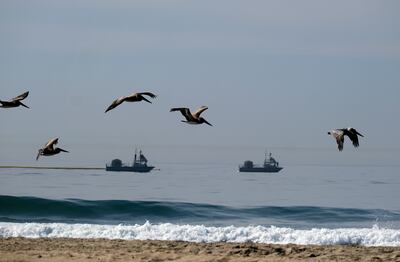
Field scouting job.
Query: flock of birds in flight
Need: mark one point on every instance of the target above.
(191, 118)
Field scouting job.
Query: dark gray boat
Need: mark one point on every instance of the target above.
(139, 165)
(270, 166)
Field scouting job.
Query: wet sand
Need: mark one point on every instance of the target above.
(67, 249)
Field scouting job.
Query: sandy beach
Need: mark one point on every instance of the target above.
(67, 249)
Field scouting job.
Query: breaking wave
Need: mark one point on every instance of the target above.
(374, 236)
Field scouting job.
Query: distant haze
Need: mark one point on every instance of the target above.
(275, 75)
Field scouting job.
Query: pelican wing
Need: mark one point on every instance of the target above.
(133, 97)
(115, 103)
(184, 111)
(51, 143)
(21, 97)
(199, 111)
(339, 136)
(352, 134)
(136, 97)
(148, 94)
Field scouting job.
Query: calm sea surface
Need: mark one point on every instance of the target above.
(348, 187)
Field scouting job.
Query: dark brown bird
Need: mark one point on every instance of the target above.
(194, 119)
(135, 97)
(15, 102)
(49, 150)
(339, 134)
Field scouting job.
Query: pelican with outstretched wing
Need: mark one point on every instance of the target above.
(339, 134)
(49, 150)
(195, 118)
(135, 97)
(15, 102)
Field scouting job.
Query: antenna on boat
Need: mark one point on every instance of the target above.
(134, 160)
(265, 156)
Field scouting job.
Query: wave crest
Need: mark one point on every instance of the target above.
(374, 236)
(30, 209)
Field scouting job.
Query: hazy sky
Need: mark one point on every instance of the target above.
(276, 74)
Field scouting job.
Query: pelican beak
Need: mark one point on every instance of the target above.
(145, 99)
(23, 104)
(109, 108)
(359, 134)
(205, 121)
(38, 154)
(64, 150)
(113, 105)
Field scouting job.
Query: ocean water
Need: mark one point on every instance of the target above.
(206, 203)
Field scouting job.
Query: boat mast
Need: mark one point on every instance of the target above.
(265, 157)
(134, 160)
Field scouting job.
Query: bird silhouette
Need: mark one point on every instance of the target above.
(195, 118)
(339, 134)
(15, 102)
(135, 97)
(49, 150)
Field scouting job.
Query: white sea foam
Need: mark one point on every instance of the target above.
(374, 236)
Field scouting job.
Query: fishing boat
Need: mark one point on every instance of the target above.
(270, 166)
(139, 164)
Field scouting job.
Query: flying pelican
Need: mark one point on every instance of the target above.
(193, 119)
(135, 97)
(15, 102)
(49, 150)
(339, 134)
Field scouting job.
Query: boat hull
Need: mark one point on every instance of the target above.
(272, 169)
(143, 169)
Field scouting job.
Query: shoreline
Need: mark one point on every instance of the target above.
(69, 249)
